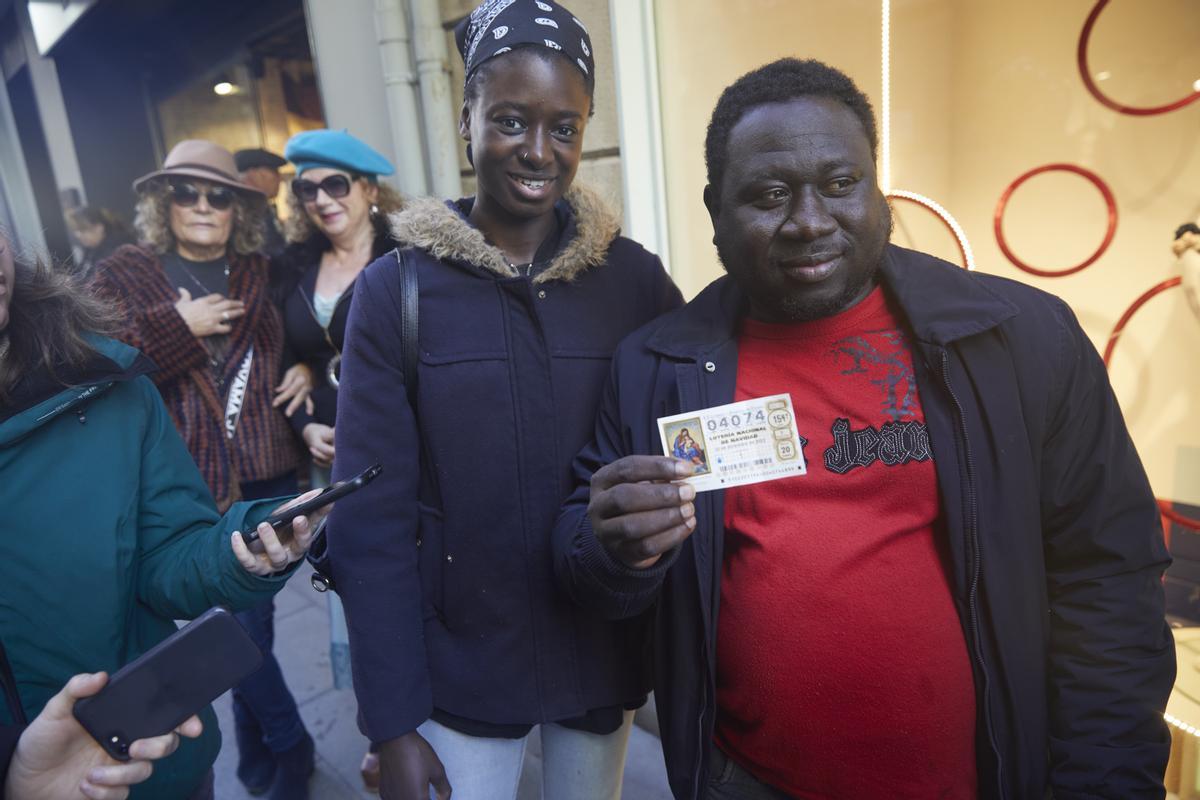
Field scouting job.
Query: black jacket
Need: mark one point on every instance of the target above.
(443, 563)
(1057, 551)
(306, 340)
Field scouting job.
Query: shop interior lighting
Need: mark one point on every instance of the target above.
(1191, 730)
(224, 87)
(885, 147)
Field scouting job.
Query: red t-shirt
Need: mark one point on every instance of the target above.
(842, 666)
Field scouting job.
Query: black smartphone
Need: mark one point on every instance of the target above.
(282, 522)
(154, 694)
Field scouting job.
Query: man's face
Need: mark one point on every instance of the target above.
(799, 220)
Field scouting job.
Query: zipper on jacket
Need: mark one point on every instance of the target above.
(708, 700)
(973, 588)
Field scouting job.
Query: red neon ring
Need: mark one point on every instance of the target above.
(962, 252)
(1119, 328)
(1164, 508)
(1109, 200)
(1163, 505)
(1086, 74)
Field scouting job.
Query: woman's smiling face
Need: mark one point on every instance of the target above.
(525, 124)
(335, 216)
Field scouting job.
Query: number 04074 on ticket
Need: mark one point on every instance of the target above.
(747, 442)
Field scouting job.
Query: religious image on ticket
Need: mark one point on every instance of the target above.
(736, 444)
(687, 442)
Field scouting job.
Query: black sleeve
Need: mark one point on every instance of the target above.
(373, 535)
(1111, 654)
(582, 567)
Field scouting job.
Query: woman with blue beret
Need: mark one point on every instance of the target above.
(460, 642)
(337, 224)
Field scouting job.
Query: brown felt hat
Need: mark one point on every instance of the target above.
(197, 158)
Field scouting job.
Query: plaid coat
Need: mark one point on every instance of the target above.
(263, 445)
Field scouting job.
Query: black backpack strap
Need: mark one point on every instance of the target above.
(11, 696)
(318, 551)
(408, 324)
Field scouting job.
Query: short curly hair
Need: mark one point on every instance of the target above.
(153, 219)
(778, 82)
(299, 229)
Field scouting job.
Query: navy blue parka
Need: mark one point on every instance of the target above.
(1057, 551)
(443, 562)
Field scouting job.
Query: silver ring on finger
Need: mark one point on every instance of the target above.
(225, 316)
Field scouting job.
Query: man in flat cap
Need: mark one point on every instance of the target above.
(260, 169)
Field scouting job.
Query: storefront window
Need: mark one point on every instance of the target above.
(258, 101)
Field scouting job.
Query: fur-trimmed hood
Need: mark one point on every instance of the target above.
(435, 227)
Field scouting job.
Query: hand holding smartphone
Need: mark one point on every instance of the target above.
(155, 693)
(281, 521)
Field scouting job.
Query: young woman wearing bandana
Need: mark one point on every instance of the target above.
(460, 642)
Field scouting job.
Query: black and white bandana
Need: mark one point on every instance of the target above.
(501, 26)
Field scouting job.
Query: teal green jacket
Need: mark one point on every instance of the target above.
(108, 534)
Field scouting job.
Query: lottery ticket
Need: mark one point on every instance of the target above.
(732, 445)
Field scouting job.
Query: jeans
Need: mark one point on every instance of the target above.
(263, 707)
(339, 636)
(576, 765)
(728, 781)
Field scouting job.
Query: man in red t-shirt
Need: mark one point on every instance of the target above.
(961, 598)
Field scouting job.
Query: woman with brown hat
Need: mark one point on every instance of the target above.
(195, 299)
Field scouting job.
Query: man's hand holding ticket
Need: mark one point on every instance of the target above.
(732, 445)
(642, 506)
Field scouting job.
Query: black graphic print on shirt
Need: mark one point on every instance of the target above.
(887, 363)
(893, 443)
(881, 360)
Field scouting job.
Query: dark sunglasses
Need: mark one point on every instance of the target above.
(186, 195)
(336, 186)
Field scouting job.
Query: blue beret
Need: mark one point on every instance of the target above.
(337, 150)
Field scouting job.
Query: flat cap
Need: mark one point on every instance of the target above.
(257, 157)
(335, 149)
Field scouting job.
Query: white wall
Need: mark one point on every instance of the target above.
(43, 74)
(345, 49)
(18, 210)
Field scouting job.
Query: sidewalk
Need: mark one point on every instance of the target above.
(302, 647)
